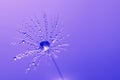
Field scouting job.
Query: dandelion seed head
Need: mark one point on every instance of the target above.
(44, 42)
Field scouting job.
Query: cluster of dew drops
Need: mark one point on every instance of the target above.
(44, 39)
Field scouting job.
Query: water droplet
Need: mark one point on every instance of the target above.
(23, 41)
(33, 63)
(15, 58)
(28, 69)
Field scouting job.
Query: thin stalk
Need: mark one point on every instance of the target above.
(58, 69)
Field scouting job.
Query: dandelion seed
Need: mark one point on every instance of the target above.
(45, 42)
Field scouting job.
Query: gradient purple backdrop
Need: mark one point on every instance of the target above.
(94, 26)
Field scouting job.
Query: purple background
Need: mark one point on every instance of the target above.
(94, 26)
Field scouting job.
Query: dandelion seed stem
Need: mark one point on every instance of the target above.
(58, 69)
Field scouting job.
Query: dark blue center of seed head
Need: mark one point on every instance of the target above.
(44, 44)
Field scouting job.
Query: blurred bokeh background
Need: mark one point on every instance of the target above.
(94, 51)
